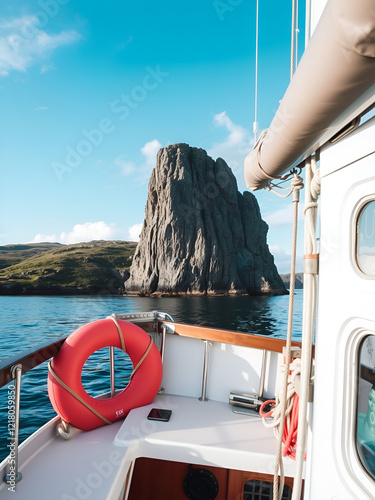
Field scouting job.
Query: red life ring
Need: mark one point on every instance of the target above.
(65, 389)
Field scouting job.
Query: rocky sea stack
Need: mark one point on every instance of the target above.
(200, 234)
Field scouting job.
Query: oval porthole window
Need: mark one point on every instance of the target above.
(366, 405)
(365, 246)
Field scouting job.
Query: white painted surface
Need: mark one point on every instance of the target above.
(94, 464)
(346, 314)
(206, 433)
(89, 466)
(357, 145)
(230, 368)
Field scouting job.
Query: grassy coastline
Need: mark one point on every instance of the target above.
(93, 267)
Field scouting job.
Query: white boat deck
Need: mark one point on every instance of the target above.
(95, 464)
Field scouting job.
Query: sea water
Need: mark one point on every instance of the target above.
(28, 321)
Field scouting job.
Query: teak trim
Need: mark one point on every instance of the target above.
(227, 336)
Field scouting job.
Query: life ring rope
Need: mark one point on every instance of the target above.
(122, 340)
(123, 347)
(142, 358)
(78, 398)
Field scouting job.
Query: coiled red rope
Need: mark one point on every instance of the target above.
(290, 425)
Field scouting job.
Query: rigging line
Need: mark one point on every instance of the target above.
(279, 194)
(297, 33)
(255, 124)
(293, 41)
(283, 180)
(278, 487)
(278, 186)
(307, 22)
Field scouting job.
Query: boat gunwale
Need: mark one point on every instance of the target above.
(34, 356)
(29, 359)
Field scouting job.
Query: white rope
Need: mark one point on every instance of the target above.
(65, 430)
(293, 42)
(275, 422)
(284, 401)
(315, 181)
(296, 179)
(297, 185)
(290, 191)
(297, 33)
(121, 335)
(307, 22)
(309, 305)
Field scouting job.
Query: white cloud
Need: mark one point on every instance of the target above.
(149, 152)
(134, 232)
(283, 260)
(284, 216)
(87, 231)
(280, 217)
(44, 238)
(40, 108)
(23, 44)
(127, 167)
(237, 134)
(234, 148)
(20, 23)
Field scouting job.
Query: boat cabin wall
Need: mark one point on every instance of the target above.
(343, 455)
(230, 368)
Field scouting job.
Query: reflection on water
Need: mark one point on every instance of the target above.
(29, 320)
(258, 315)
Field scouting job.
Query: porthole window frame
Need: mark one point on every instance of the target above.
(360, 457)
(345, 442)
(355, 235)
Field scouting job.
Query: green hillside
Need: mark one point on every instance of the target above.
(12, 254)
(51, 268)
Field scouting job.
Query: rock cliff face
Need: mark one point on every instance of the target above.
(200, 234)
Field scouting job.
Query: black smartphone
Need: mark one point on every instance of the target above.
(159, 414)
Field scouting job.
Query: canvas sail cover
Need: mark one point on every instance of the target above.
(335, 80)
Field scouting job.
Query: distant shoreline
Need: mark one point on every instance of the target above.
(75, 291)
(93, 268)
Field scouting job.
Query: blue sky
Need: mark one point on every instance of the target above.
(90, 90)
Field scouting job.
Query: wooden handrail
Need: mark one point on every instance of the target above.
(227, 336)
(29, 359)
